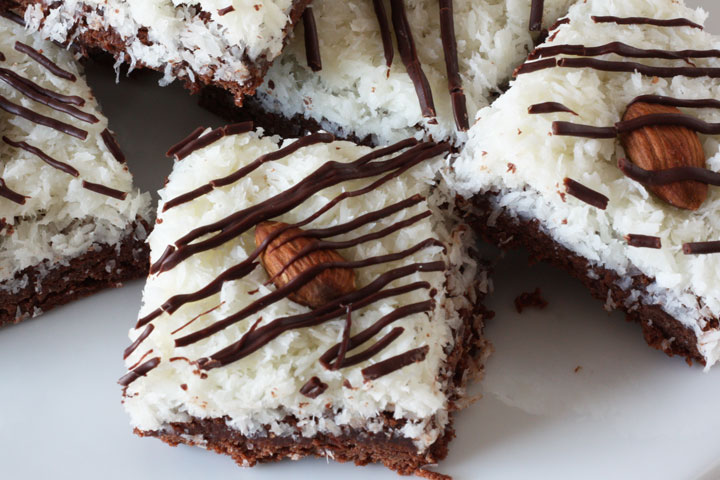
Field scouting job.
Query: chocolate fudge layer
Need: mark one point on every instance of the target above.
(306, 297)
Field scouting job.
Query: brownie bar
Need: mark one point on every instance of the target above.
(88, 34)
(47, 286)
(661, 331)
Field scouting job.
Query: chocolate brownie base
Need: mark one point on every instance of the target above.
(353, 445)
(110, 41)
(661, 331)
(102, 267)
(221, 103)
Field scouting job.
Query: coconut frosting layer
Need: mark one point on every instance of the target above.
(59, 218)
(205, 37)
(263, 388)
(515, 155)
(354, 93)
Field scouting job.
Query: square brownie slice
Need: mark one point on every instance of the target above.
(70, 221)
(225, 43)
(307, 297)
(599, 158)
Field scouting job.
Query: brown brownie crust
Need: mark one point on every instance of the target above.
(82, 276)
(661, 331)
(353, 445)
(108, 40)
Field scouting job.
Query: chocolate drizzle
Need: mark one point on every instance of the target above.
(64, 167)
(622, 49)
(51, 66)
(312, 43)
(672, 22)
(701, 248)
(134, 345)
(178, 146)
(44, 96)
(678, 102)
(536, 15)
(209, 138)
(667, 176)
(585, 194)
(457, 96)
(103, 190)
(397, 362)
(388, 48)
(643, 241)
(586, 131)
(11, 195)
(611, 66)
(313, 388)
(549, 107)
(682, 120)
(327, 175)
(112, 145)
(35, 117)
(306, 141)
(138, 372)
(409, 56)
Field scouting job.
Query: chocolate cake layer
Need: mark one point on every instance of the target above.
(87, 34)
(661, 331)
(48, 286)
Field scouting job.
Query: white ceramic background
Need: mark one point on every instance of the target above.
(628, 412)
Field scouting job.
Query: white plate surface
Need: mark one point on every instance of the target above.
(628, 412)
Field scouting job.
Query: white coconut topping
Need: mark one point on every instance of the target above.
(261, 389)
(685, 286)
(59, 219)
(355, 94)
(183, 39)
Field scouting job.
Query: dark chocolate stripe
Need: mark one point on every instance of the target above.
(672, 22)
(536, 15)
(64, 167)
(2, 57)
(312, 43)
(357, 299)
(140, 360)
(103, 190)
(212, 137)
(41, 95)
(331, 173)
(585, 194)
(385, 34)
(549, 107)
(112, 145)
(294, 285)
(345, 339)
(11, 195)
(395, 363)
(622, 49)
(306, 141)
(35, 117)
(570, 129)
(530, 67)
(62, 98)
(630, 67)
(677, 119)
(457, 96)
(372, 350)
(140, 371)
(313, 388)
(701, 248)
(226, 10)
(356, 340)
(192, 320)
(49, 65)
(643, 241)
(409, 56)
(134, 345)
(678, 102)
(13, 17)
(178, 146)
(667, 176)
(561, 21)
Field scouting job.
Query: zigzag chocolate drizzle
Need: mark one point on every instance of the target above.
(672, 22)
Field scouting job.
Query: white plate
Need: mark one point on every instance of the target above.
(629, 412)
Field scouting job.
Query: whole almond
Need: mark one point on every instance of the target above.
(325, 287)
(666, 146)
